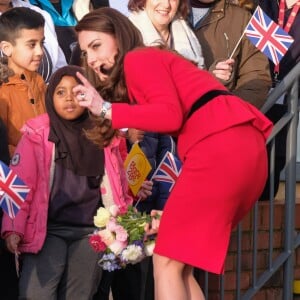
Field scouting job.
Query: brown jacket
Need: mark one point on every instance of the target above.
(21, 98)
(251, 78)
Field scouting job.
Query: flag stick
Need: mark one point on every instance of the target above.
(137, 202)
(237, 44)
(156, 171)
(140, 198)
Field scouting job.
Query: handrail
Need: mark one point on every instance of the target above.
(281, 88)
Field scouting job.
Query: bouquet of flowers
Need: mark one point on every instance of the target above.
(121, 236)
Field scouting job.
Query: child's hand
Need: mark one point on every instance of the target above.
(154, 226)
(145, 190)
(12, 242)
(135, 135)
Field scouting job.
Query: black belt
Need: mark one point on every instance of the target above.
(206, 98)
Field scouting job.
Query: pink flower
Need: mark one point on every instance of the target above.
(106, 236)
(96, 243)
(111, 225)
(121, 233)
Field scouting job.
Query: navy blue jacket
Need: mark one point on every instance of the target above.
(155, 146)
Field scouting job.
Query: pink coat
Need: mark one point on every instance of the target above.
(33, 162)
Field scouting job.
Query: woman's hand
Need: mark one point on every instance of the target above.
(87, 96)
(223, 69)
(12, 241)
(154, 226)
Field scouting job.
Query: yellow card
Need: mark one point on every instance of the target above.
(137, 167)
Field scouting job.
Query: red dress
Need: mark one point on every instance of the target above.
(222, 147)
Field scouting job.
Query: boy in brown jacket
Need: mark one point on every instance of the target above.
(22, 89)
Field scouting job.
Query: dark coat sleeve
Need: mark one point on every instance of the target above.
(4, 153)
(155, 146)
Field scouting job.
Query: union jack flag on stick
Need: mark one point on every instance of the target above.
(13, 191)
(267, 36)
(167, 171)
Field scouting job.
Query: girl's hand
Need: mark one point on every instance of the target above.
(12, 241)
(154, 226)
(223, 69)
(87, 96)
(145, 190)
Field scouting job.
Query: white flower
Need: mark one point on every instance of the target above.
(132, 253)
(102, 217)
(117, 246)
(149, 247)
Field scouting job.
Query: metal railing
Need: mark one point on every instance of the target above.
(284, 261)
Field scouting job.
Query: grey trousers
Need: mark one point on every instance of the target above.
(65, 269)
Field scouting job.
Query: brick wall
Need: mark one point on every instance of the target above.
(273, 289)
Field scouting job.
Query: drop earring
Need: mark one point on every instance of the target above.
(3, 54)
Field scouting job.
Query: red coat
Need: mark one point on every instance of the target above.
(222, 147)
(169, 85)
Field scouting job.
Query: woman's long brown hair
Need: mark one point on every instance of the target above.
(128, 37)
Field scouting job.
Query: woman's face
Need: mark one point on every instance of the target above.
(100, 50)
(64, 101)
(161, 12)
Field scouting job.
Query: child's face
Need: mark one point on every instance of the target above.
(64, 100)
(27, 51)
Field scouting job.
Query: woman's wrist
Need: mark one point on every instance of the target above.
(105, 111)
(123, 132)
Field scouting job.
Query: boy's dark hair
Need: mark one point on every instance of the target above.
(16, 19)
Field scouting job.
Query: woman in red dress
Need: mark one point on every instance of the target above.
(221, 142)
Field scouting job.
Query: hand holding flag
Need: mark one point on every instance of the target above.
(13, 191)
(267, 36)
(167, 171)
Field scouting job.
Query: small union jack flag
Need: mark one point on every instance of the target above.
(13, 191)
(267, 36)
(168, 171)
